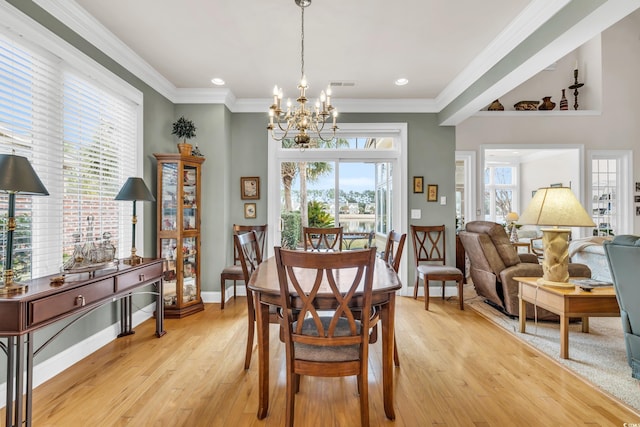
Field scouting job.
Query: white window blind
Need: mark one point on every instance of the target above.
(81, 139)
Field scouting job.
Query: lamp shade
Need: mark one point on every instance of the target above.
(135, 189)
(556, 206)
(512, 216)
(17, 176)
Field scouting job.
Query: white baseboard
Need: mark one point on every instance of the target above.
(51, 367)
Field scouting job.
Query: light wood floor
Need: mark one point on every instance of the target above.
(457, 369)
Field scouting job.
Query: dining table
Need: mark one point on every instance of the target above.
(265, 288)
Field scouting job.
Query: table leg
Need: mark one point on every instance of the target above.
(126, 321)
(10, 388)
(29, 394)
(262, 329)
(387, 317)
(522, 313)
(19, 380)
(564, 336)
(160, 310)
(585, 325)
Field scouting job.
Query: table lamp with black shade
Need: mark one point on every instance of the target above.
(556, 207)
(17, 176)
(134, 189)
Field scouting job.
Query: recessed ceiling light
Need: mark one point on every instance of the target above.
(401, 82)
(217, 81)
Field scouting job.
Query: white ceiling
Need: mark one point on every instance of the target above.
(442, 47)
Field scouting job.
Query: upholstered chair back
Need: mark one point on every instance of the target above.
(623, 255)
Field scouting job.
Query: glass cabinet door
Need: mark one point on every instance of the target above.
(189, 269)
(169, 202)
(170, 276)
(189, 192)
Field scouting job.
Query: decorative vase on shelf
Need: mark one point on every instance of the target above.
(496, 106)
(564, 104)
(547, 104)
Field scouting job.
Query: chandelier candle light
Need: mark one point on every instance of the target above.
(301, 118)
(556, 207)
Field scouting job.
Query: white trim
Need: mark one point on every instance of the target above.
(625, 185)
(526, 23)
(89, 28)
(397, 130)
(469, 159)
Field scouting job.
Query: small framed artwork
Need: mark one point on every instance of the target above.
(637, 199)
(559, 184)
(417, 184)
(249, 210)
(637, 210)
(637, 187)
(432, 193)
(250, 188)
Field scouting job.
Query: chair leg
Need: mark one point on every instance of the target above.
(290, 403)
(396, 359)
(460, 285)
(222, 289)
(443, 283)
(426, 293)
(415, 287)
(363, 385)
(251, 316)
(234, 289)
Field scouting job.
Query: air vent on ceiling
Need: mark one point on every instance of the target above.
(342, 84)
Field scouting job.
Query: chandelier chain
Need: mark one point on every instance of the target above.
(307, 120)
(302, 45)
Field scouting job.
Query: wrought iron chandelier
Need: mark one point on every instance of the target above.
(308, 122)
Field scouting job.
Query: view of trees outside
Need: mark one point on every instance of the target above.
(312, 185)
(499, 192)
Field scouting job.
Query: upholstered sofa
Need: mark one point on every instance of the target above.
(590, 251)
(494, 262)
(623, 256)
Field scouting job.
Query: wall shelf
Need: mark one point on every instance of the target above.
(538, 113)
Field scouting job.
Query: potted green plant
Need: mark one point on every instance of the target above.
(184, 129)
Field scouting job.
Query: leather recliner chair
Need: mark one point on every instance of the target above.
(623, 255)
(494, 262)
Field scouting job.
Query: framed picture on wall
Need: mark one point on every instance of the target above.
(417, 184)
(559, 184)
(249, 210)
(432, 193)
(250, 187)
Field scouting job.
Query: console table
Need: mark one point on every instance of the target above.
(44, 303)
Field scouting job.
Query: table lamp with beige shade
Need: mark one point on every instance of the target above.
(556, 207)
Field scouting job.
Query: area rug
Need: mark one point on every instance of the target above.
(599, 357)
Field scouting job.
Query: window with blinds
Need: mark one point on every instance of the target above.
(81, 139)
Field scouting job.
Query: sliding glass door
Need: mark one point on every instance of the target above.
(353, 182)
(355, 195)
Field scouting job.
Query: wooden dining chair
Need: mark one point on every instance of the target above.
(234, 271)
(322, 239)
(322, 336)
(392, 255)
(248, 247)
(429, 253)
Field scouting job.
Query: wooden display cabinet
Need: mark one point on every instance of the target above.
(179, 192)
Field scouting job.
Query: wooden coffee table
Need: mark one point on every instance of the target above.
(567, 303)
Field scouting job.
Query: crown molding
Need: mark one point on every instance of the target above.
(89, 28)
